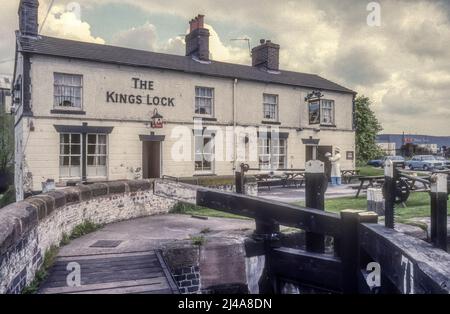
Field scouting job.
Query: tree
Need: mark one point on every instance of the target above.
(6, 150)
(367, 128)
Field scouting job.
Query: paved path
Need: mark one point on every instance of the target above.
(292, 195)
(121, 257)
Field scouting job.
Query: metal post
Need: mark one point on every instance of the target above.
(240, 179)
(238, 182)
(439, 196)
(315, 187)
(389, 193)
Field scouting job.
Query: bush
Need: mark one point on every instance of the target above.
(9, 197)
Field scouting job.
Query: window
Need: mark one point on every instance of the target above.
(270, 107)
(204, 101)
(327, 112)
(96, 155)
(321, 112)
(68, 90)
(70, 155)
(272, 153)
(204, 153)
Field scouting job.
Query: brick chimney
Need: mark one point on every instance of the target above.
(266, 56)
(197, 41)
(28, 17)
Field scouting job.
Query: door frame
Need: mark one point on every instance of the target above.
(154, 139)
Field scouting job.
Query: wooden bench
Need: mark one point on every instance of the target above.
(372, 182)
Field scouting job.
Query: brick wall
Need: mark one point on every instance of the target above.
(188, 279)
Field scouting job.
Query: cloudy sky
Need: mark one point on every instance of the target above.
(403, 64)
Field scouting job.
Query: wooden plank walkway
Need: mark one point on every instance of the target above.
(112, 273)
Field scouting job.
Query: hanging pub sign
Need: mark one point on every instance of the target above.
(138, 99)
(157, 120)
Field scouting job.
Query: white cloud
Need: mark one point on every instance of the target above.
(226, 53)
(143, 37)
(404, 65)
(67, 24)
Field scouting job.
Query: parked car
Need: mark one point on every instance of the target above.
(380, 162)
(444, 160)
(425, 162)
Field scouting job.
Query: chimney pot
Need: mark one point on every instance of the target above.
(28, 17)
(197, 41)
(266, 55)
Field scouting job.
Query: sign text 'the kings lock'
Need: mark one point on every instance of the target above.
(148, 99)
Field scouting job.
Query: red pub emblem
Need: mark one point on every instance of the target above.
(157, 120)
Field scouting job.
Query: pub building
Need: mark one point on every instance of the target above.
(88, 112)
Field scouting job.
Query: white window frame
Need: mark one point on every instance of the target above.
(202, 154)
(67, 91)
(70, 156)
(269, 153)
(199, 97)
(96, 156)
(273, 105)
(324, 103)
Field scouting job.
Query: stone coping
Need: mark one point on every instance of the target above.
(18, 218)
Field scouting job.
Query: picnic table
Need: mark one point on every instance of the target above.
(266, 178)
(287, 178)
(293, 178)
(349, 175)
(372, 180)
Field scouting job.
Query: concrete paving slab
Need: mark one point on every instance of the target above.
(151, 232)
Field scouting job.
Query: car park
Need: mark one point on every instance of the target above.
(444, 160)
(425, 162)
(381, 162)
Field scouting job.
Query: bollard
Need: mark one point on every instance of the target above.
(315, 187)
(239, 178)
(239, 182)
(389, 193)
(375, 201)
(439, 196)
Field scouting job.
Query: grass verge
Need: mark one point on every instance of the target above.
(418, 205)
(188, 209)
(369, 171)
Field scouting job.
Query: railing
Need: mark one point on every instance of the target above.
(438, 187)
(367, 258)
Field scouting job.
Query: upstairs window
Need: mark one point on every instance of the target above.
(68, 90)
(204, 101)
(321, 112)
(327, 112)
(270, 107)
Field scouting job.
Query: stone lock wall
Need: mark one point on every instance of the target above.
(29, 228)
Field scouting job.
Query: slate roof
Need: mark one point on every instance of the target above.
(57, 47)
